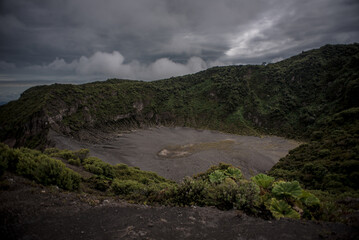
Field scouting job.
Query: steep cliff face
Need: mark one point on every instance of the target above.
(290, 98)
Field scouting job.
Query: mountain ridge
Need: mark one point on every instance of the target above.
(283, 98)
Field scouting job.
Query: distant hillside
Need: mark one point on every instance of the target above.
(308, 96)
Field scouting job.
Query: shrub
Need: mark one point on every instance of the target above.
(248, 198)
(122, 171)
(223, 196)
(242, 195)
(82, 154)
(93, 169)
(98, 167)
(76, 162)
(127, 187)
(51, 151)
(191, 192)
(99, 183)
(46, 170)
(27, 162)
(161, 193)
(65, 154)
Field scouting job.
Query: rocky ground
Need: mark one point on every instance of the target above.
(31, 211)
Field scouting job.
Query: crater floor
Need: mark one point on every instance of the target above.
(178, 152)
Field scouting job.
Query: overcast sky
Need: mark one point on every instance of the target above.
(44, 41)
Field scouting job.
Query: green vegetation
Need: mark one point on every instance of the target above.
(38, 167)
(330, 161)
(263, 180)
(280, 209)
(222, 186)
(287, 189)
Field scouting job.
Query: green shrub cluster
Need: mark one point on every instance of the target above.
(127, 182)
(98, 167)
(39, 167)
(73, 157)
(286, 199)
(131, 183)
(329, 163)
(222, 186)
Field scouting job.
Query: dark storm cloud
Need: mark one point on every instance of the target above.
(150, 39)
(36, 32)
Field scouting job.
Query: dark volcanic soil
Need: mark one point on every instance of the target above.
(178, 152)
(30, 211)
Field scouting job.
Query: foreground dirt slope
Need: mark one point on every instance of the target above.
(30, 211)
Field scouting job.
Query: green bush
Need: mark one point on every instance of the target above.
(98, 167)
(223, 196)
(45, 170)
(76, 162)
(248, 198)
(99, 183)
(124, 172)
(51, 151)
(67, 154)
(127, 187)
(64, 154)
(82, 154)
(240, 195)
(191, 192)
(93, 169)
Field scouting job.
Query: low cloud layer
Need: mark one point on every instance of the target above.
(112, 65)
